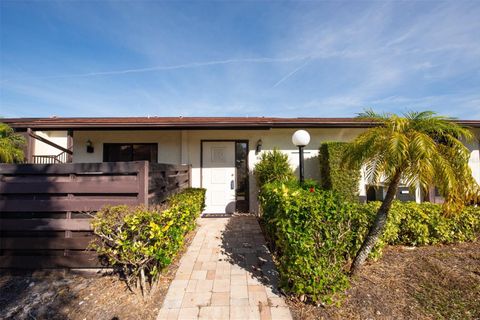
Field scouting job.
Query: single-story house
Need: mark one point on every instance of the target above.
(222, 151)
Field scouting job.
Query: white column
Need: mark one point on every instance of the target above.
(418, 195)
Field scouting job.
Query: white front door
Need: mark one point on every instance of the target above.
(218, 176)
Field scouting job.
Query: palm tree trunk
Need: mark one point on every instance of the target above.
(376, 230)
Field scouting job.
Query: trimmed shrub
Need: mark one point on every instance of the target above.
(273, 166)
(140, 242)
(313, 233)
(316, 234)
(411, 223)
(333, 176)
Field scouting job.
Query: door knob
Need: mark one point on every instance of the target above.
(232, 185)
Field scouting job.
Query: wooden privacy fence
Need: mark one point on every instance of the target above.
(165, 180)
(45, 210)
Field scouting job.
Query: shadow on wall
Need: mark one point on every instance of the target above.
(244, 245)
(230, 208)
(312, 168)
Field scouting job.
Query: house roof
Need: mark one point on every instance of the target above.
(57, 123)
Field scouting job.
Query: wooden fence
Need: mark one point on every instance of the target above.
(45, 210)
(165, 180)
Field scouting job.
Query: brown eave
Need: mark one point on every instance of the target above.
(56, 123)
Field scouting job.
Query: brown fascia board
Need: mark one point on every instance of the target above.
(232, 123)
(180, 123)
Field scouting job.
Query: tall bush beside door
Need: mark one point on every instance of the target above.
(273, 166)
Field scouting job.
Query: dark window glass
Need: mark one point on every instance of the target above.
(114, 152)
(241, 192)
(145, 152)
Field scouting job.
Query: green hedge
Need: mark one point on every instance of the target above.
(333, 176)
(415, 224)
(313, 235)
(316, 234)
(142, 241)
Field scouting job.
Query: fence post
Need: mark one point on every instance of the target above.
(143, 182)
(69, 145)
(30, 145)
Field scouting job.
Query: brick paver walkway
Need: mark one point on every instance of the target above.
(226, 273)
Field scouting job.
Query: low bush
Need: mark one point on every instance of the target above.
(273, 166)
(140, 241)
(414, 224)
(316, 234)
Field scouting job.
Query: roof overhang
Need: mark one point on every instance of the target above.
(203, 123)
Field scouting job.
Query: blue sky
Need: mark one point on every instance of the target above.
(239, 58)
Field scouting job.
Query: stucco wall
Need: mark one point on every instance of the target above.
(169, 143)
(43, 149)
(275, 138)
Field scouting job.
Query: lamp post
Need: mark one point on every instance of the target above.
(301, 138)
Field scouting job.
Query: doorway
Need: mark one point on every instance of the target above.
(224, 174)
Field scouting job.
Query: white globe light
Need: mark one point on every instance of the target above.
(301, 138)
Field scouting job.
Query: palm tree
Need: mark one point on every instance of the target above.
(11, 145)
(418, 149)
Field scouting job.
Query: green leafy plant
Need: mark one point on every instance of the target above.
(140, 242)
(414, 224)
(316, 234)
(333, 175)
(273, 166)
(421, 149)
(11, 145)
(313, 233)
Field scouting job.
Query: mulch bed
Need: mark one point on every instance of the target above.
(77, 296)
(432, 282)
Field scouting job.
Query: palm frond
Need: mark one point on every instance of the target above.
(370, 115)
(427, 148)
(11, 145)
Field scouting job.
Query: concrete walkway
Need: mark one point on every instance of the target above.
(226, 273)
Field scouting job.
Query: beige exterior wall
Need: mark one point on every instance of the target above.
(43, 149)
(169, 143)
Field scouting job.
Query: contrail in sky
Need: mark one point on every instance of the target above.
(293, 72)
(171, 67)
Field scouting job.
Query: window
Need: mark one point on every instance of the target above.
(241, 164)
(114, 152)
